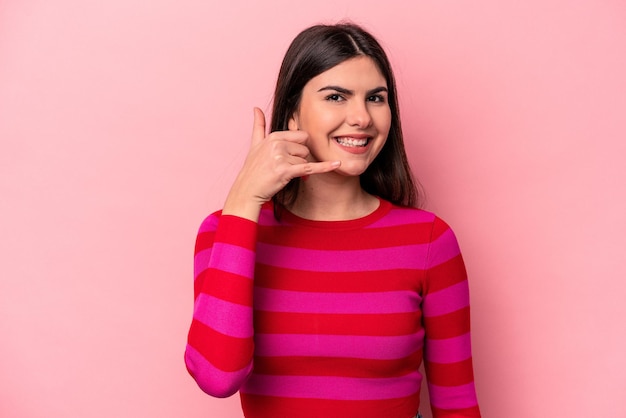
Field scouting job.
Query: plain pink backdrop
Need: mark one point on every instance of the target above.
(122, 124)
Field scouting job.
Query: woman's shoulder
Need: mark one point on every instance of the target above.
(210, 222)
(405, 216)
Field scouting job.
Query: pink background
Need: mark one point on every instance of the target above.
(122, 124)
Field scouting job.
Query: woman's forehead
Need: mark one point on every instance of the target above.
(359, 72)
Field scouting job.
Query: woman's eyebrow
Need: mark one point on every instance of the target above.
(351, 92)
(377, 90)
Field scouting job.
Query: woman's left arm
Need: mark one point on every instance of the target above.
(446, 309)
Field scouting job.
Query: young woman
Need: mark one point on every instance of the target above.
(320, 288)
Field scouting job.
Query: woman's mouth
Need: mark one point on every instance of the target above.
(350, 142)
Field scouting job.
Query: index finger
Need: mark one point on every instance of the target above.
(258, 126)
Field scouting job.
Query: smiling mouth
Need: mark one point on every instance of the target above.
(352, 142)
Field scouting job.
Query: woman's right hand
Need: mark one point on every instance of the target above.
(272, 161)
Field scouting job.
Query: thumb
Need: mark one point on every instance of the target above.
(258, 126)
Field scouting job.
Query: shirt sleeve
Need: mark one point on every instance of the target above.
(220, 343)
(446, 309)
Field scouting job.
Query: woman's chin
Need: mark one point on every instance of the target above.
(351, 168)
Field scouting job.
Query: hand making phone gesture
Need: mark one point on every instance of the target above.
(272, 161)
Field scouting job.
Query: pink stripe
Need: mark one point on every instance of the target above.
(212, 380)
(233, 259)
(398, 217)
(453, 397)
(330, 387)
(447, 300)
(360, 347)
(201, 261)
(266, 218)
(226, 317)
(401, 257)
(449, 350)
(353, 303)
(443, 249)
(209, 224)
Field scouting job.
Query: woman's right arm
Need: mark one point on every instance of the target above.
(220, 341)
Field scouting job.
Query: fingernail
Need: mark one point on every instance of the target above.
(335, 164)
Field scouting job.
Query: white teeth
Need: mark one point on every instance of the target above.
(351, 142)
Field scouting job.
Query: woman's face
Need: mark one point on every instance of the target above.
(346, 113)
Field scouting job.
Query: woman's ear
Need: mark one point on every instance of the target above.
(293, 123)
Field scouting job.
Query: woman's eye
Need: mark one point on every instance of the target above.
(334, 97)
(378, 98)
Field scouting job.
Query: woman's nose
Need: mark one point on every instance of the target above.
(358, 114)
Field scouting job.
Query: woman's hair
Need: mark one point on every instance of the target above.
(316, 50)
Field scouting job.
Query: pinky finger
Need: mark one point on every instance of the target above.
(318, 168)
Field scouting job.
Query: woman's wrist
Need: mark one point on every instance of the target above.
(242, 207)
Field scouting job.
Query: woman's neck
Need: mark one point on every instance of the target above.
(333, 198)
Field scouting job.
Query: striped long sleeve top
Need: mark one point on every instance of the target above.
(332, 319)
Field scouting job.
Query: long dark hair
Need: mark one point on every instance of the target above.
(316, 50)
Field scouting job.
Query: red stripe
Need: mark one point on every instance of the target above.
(237, 231)
(358, 239)
(337, 366)
(198, 284)
(452, 374)
(363, 281)
(204, 240)
(439, 227)
(224, 352)
(253, 405)
(445, 274)
(447, 326)
(231, 230)
(472, 412)
(226, 286)
(336, 324)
